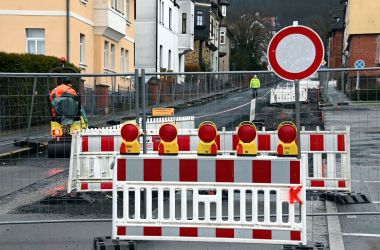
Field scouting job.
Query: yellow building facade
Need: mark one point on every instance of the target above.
(95, 35)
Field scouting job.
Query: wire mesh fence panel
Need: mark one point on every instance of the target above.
(34, 186)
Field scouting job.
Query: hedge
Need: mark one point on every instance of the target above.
(16, 92)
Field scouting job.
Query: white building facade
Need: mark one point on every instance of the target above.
(164, 33)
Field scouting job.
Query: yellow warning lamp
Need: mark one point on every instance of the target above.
(56, 129)
(246, 134)
(287, 134)
(168, 143)
(207, 133)
(130, 139)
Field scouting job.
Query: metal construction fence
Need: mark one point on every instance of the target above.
(33, 187)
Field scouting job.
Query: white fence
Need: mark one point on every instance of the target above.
(327, 155)
(224, 199)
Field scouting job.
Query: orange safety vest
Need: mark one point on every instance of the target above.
(60, 90)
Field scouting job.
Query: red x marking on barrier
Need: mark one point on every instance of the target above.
(294, 193)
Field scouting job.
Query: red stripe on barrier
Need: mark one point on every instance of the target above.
(235, 141)
(107, 143)
(217, 140)
(85, 144)
(188, 170)
(317, 183)
(317, 143)
(188, 232)
(261, 172)
(152, 169)
(152, 231)
(106, 185)
(262, 234)
(224, 171)
(295, 235)
(264, 142)
(121, 230)
(295, 175)
(341, 143)
(156, 141)
(225, 233)
(342, 184)
(121, 169)
(84, 186)
(183, 142)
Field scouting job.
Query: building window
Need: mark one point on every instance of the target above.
(127, 9)
(378, 50)
(212, 27)
(163, 13)
(112, 56)
(124, 62)
(160, 10)
(170, 18)
(184, 22)
(117, 5)
(35, 41)
(222, 37)
(161, 56)
(82, 49)
(106, 54)
(169, 60)
(199, 17)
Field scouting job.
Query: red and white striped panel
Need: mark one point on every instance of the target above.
(203, 169)
(86, 186)
(323, 142)
(226, 141)
(327, 184)
(208, 234)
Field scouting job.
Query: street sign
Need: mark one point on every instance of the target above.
(295, 52)
(162, 111)
(359, 64)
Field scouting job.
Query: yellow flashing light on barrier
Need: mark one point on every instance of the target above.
(56, 129)
(287, 134)
(246, 134)
(168, 143)
(207, 132)
(130, 133)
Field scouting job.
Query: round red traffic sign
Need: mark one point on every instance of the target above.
(295, 52)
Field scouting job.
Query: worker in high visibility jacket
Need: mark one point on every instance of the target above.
(65, 89)
(254, 85)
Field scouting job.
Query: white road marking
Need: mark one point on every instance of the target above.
(361, 235)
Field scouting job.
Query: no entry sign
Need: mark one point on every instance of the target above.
(295, 52)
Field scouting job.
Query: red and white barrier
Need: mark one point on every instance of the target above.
(328, 154)
(220, 199)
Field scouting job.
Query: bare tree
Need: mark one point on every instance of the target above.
(249, 42)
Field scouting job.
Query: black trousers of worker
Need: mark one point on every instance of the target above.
(254, 93)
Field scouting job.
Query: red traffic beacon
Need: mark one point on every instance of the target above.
(168, 143)
(246, 134)
(130, 133)
(207, 133)
(287, 134)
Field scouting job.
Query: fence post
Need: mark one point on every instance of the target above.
(143, 106)
(32, 106)
(342, 81)
(298, 116)
(113, 96)
(93, 103)
(358, 84)
(137, 109)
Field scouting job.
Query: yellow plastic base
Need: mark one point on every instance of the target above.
(130, 147)
(248, 149)
(289, 149)
(207, 148)
(168, 148)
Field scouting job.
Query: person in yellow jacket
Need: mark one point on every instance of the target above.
(254, 85)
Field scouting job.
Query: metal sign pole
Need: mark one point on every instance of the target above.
(137, 109)
(298, 115)
(143, 106)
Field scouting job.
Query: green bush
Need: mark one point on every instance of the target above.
(16, 92)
